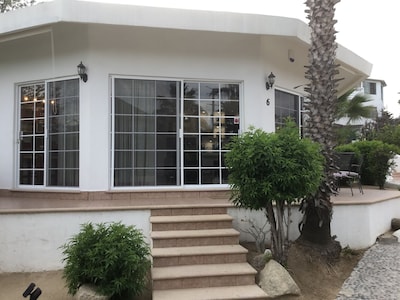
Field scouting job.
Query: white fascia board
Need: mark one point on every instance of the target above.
(155, 17)
(75, 11)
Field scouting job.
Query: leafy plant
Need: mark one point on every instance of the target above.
(267, 169)
(111, 256)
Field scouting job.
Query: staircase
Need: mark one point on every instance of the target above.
(197, 256)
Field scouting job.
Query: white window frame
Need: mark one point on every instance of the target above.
(180, 133)
(17, 151)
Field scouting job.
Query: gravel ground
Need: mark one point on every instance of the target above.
(376, 276)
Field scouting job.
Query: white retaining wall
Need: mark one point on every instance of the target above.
(30, 242)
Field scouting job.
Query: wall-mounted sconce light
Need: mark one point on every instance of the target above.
(82, 72)
(291, 56)
(270, 81)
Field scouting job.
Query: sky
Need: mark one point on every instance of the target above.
(367, 27)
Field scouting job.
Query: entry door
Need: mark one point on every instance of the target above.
(48, 134)
(211, 119)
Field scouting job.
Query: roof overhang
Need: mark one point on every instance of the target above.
(39, 18)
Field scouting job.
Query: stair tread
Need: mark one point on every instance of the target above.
(190, 218)
(212, 293)
(197, 250)
(190, 271)
(194, 233)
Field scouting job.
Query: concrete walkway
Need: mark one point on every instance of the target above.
(376, 276)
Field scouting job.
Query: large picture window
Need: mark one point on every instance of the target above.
(169, 133)
(48, 134)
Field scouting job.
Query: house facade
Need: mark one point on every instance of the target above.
(164, 92)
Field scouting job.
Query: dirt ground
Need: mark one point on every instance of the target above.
(316, 279)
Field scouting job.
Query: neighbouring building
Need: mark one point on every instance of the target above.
(373, 89)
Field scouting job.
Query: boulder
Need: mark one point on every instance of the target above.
(88, 292)
(397, 234)
(395, 224)
(276, 281)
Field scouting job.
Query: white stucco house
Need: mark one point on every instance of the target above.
(373, 89)
(166, 90)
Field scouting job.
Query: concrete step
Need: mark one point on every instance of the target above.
(244, 292)
(191, 222)
(190, 210)
(184, 238)
(196, 255)
(195, 276)
(178, 256)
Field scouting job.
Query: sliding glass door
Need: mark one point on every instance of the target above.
(211, 119)
(146, 120)
(48, 134)
(171, 133)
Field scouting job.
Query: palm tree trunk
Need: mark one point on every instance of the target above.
(321, 108)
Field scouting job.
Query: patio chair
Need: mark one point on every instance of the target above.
(355, 172)
(348, 171)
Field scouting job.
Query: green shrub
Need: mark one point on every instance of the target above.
(389, 134)
(111, 256)
(377, 157)
(269, 171)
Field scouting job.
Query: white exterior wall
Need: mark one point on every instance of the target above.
(140, 52)
(31, 242)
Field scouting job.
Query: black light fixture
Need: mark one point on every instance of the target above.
(82, 72)
(32, 292)
(270, 82)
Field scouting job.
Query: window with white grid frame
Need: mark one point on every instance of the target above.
(172, 132)
(48, 134)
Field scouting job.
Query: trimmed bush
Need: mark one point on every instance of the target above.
(269, 171)
(377, 162)
(111, 256)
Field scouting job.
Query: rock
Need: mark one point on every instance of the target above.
(395, 224)
(397, 234)
(88, 292)
(268, 252)
(258, 262)
(276, 281)
(387, 238)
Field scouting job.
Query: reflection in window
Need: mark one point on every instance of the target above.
(63, 133)
(211, 119)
